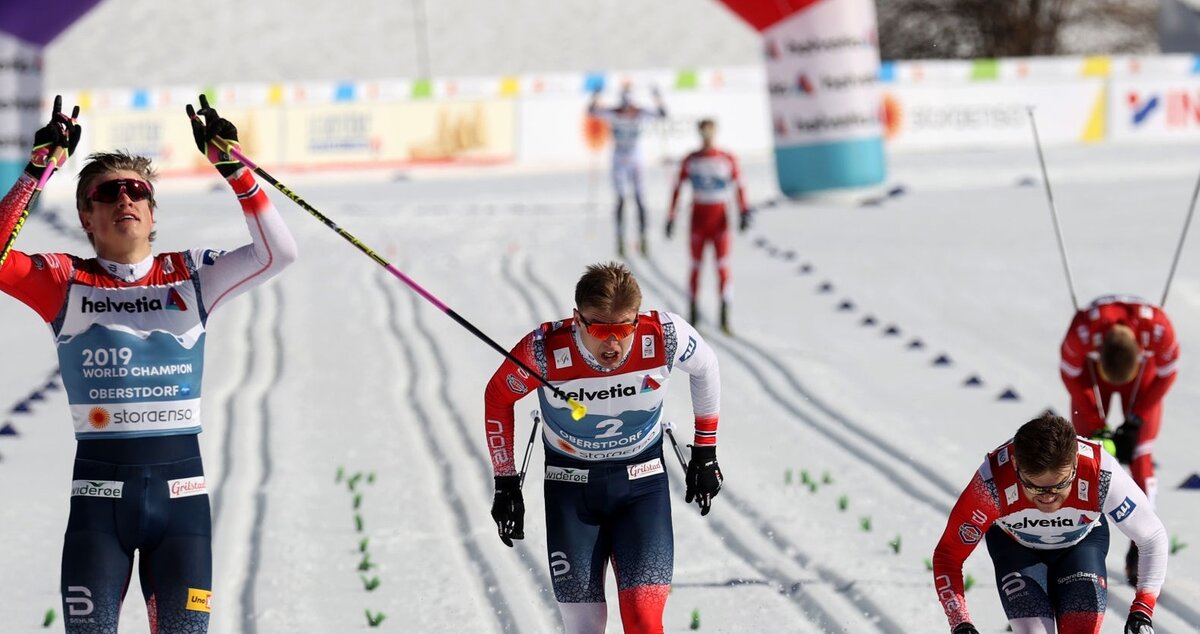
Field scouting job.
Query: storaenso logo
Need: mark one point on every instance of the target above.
(616, 391)
(107, 305)
(97, 488)
(1032, 523)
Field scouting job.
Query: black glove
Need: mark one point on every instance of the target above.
(670, 227)
(1138, 623)
(703, 477)
(508, 509)
(744, 221)
(56, 140)
(213, 137)
(965, 628)
(1126, 438)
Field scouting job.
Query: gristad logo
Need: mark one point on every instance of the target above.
(187, 487)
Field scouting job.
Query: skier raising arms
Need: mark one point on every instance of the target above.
(129, 328)
(713, 173)
(1044, 501)
(626, 121)
(1121, 345)
(605, 482)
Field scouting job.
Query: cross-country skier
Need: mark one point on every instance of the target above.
(129, 328)
(1043, 501)
(626, 121)
(605, 481)
(712, 173)
(1121, 345)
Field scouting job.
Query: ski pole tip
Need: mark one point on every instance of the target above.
(578, 410)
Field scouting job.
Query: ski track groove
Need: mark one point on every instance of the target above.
(470, 446)
(218, 497)
(810, 607)
(487, 576)
(1174, 605)
(249, 616)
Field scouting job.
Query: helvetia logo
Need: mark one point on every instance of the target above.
(99, 418)
(175, 301)
(649, 384)
(107, 305)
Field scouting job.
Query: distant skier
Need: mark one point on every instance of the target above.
(626, 121)
(605, 481)
(1121, 345)
(712, 173)
(130, 330)
(1044, 501)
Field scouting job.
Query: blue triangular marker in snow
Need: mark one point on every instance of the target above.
(846, 305)
(825, 287)
(892, 330)
(1008, 395)
(789, 255)
(1193, 482)
(1049, 411)
(772, 251)
(8, 430)
(36, 396)
(23, 407)
(898, 190)
(973, 381)
(805, 268)
(916, 344)
(761, 242)
(942, 359)
(50, 386)
(869, 320)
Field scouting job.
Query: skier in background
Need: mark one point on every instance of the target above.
(712, 173)
(605, 481)
(626, 121)
(1044, 501)
(1121, 345)
(129, 328)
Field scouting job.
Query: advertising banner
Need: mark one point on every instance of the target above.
(1155, 109)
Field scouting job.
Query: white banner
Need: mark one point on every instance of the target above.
(991, 114)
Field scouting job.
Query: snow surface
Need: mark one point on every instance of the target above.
(337, 365)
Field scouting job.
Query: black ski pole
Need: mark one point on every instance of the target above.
(537, 419)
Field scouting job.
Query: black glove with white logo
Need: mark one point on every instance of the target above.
(965, 628)
(1138, 623)
(214, 137)
(508, 509)
(703, 477)
(1126, 438)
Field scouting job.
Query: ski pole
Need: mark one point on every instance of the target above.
(1179, 249)
(1096, 391)
(529, 448)
(668, 426)
(578, 410)
(37, 191)
(1062, 248)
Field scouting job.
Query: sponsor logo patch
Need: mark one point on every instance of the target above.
(562, 358)
(649, 384)
(1084, 489)
(1123, 511)
(97, 489)
(645, 469)
(187, 487)
(199, 600)
(648, 346)
(969, 533)
(564, 474)
(175, 301)
(516, 385)
(1002, 458)
(210, 256)
(1010, 494)
(99, 418)
(689, 350)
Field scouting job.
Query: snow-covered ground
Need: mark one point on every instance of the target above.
(337, 367)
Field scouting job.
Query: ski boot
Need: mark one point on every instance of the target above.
(725, 319)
